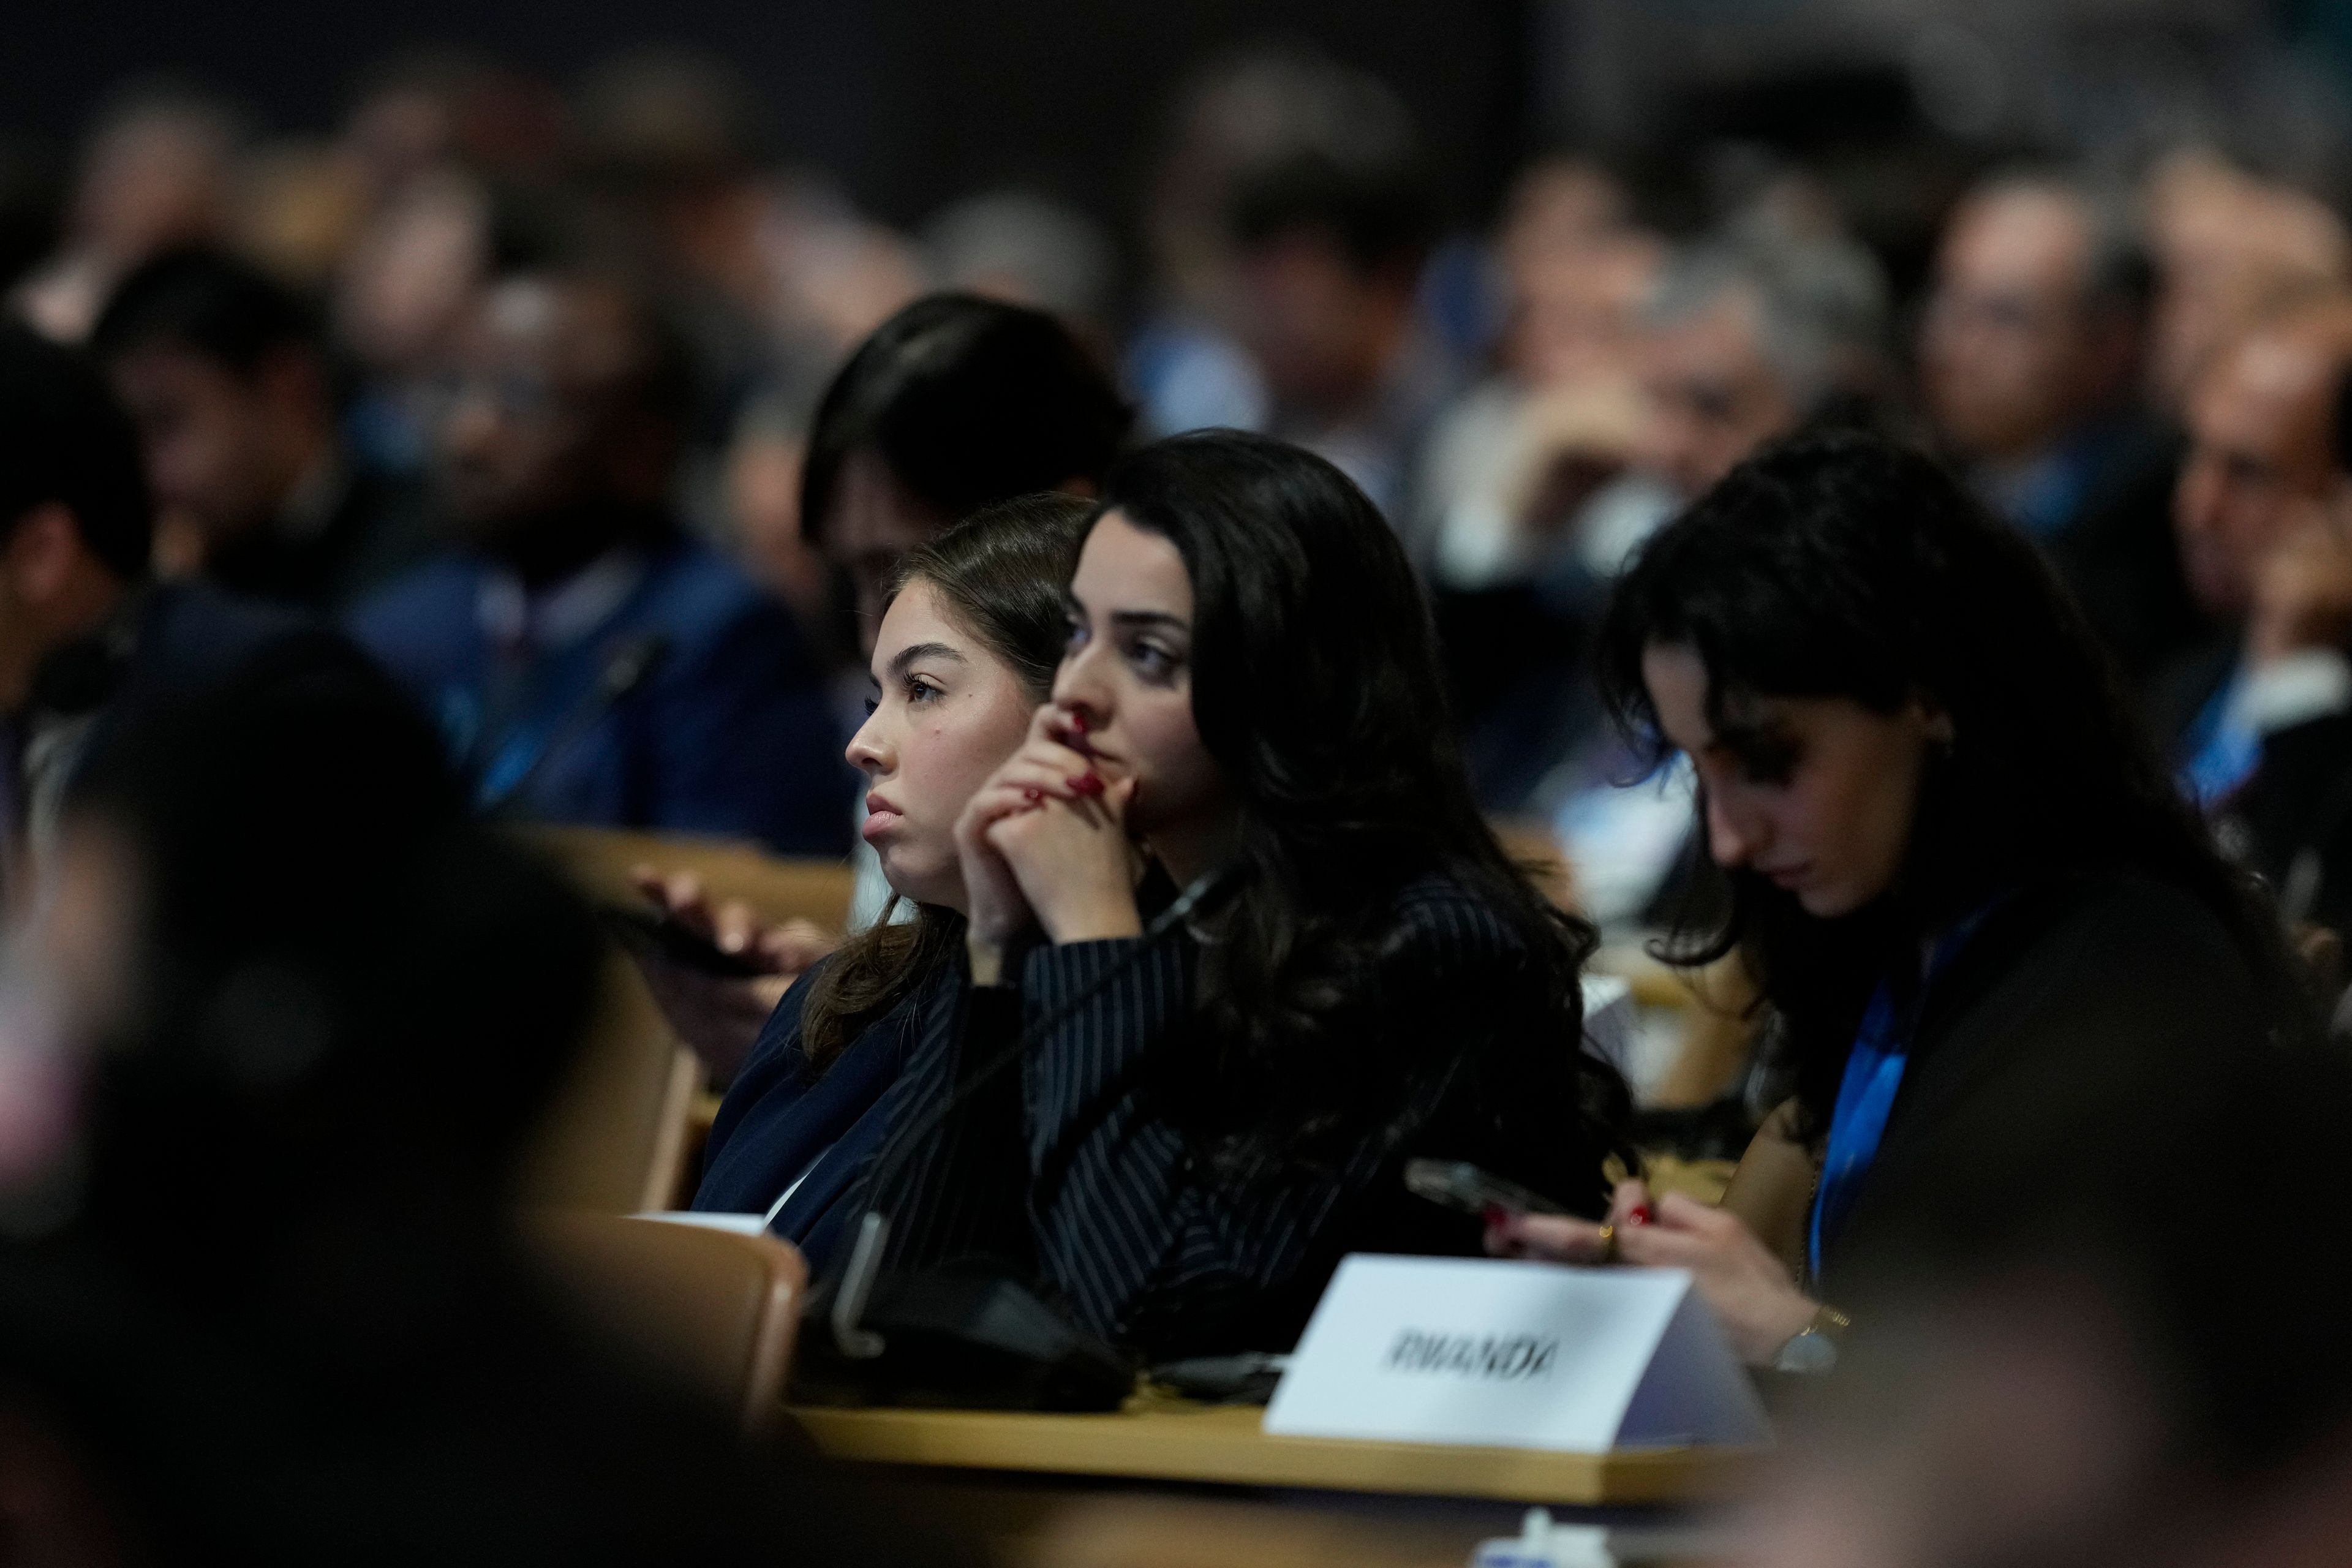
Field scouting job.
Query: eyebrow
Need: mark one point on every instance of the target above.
(1131, 619)
(921, 650)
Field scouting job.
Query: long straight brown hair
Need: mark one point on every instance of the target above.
(1001, 574)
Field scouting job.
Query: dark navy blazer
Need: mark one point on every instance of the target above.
(1075, 1165)
(731, 732)
(776, 1120)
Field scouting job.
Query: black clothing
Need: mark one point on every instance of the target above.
(2292, 822)
(2119, 555)
(2178, 690)
(1081, 1166)
(161, 646)
(367, 1394)
(374, 527)
(2078, 997)
(778, 1125)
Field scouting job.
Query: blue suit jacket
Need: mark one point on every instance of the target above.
(731, 732)
(777, 1122)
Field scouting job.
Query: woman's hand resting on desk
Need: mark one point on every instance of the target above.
(719, 1018)
(1045, 842)
(1737, 1277)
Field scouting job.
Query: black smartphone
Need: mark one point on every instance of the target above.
(649, 933)
(1459, 1185)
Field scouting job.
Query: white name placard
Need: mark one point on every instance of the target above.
(1513, 1354)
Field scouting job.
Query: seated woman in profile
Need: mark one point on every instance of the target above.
(1251, 696)
(1961, 876)
(965, 652)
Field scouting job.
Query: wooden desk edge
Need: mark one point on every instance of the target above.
(1225, 1445)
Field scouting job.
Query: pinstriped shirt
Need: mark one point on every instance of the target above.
(1072, 1171)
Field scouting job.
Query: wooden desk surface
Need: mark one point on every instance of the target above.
(1164, 1439)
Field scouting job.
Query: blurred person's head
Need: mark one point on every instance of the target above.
(1243, 111)
(674, 135)
(1560, 203)
(953, 403)
(300, 207)
(75, 518)
(1743, 341)
(1326, 248)
(222, 370)
(157, 171)
(406, 119)
(1575, 315)
(1025, 250)
(292, 947)
(566, 427)
(2230, 248)
(2037, 319)
(2262, 446)
(2080, 1383)
(765, 454)
(412, 272)
(1896, 713)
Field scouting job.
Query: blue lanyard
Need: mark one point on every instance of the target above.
(1873, 1076)
(2219, 751)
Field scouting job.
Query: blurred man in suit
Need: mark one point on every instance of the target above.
(2029, 358)
(2260, 717)
(588, 661)
(86, 639)
(223, 370)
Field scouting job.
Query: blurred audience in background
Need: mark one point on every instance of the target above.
(1524, 407)
(587, 660)
(158, 170)
(225, 374)
(1291, 220)
(2260, 714)
(88, 641)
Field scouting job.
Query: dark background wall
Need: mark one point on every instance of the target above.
(909, 101)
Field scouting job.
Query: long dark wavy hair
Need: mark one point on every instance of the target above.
(1847, 565)
(1004, 573)
(1315, 686)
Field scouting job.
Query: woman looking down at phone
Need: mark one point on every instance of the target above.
(965, 652)
(1249, 701)
(1971, 900)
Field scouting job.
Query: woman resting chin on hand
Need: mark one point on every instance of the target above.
(1206, 1121)
(1045, 842)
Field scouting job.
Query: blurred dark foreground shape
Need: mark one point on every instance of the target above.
(272, 1307)
(2115, 1339)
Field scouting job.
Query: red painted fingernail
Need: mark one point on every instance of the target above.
(1088, 783)
(1495, 1215)
(1641, 1215)
(1033, 795)
(1078, 720)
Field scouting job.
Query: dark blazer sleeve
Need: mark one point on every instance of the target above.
(1125, 1225)
(738, 1174)
(1148, 1248)
(2110, 999)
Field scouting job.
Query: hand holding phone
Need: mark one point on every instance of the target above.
(1459, 1185)
(654, 934)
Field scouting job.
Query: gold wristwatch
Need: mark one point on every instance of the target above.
(1814, 1347)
